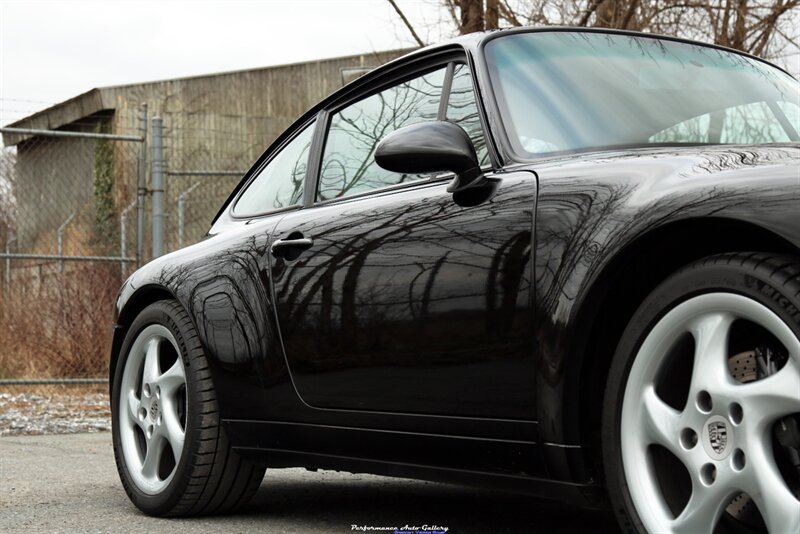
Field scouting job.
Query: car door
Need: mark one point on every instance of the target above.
(391, 296)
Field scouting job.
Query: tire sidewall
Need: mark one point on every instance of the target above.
(698, 279)
(159, 313)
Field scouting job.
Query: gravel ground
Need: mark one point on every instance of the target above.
(53, 411)
(68, 483)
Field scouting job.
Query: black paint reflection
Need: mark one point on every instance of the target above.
(223, 283)
(591, 209)
(408, 302)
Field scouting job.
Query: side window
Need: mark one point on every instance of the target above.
(791, 111)
(462, 109)
(744, 124)
(280, 182)
(348, 163)
(752, 123)
(694, 130)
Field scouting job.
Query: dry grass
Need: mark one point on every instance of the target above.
(59, 324)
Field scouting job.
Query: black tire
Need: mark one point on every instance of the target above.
(210, 477)
(771, 280)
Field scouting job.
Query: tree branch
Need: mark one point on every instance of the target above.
(589, 12)
(629, 15)
(508, 14)
(407, 23)
(492, 15)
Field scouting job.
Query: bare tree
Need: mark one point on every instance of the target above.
(766, 28)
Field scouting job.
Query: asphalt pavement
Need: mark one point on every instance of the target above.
(68, 483)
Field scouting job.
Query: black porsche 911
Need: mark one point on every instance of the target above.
(564, 262)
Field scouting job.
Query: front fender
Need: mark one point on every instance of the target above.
(223, 284)
(594, 213)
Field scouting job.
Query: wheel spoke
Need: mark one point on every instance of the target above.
(172, 429)
(774, 396)
(660, 422)
(172, 379)
(133, 404)
(764, 483)
(151, 361)
(779, 508)
(152, 458)
(704, 508)
(710, 369)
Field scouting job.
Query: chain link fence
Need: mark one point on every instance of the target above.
(81, 209)
(202, 166)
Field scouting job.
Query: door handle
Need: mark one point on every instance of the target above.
(291, 247)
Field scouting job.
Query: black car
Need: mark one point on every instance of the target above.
(564, 262)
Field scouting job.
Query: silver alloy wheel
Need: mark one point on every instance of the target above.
(723, 435)
(151, 402)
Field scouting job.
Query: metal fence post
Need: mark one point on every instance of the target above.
(181, 213)
(181, 208)
(123, 236)
(141, 190)
(158, 187)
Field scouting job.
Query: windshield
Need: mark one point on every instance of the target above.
(564, 92)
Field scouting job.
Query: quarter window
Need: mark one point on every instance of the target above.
(280, 183)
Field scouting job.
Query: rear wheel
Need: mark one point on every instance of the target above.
(172, 454)
(701, 426)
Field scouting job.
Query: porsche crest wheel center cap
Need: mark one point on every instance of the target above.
(154, 411)
(717, 437)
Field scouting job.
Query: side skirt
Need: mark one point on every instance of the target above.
(490, 463)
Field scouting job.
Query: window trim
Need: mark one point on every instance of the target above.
(432, 180)
(315, 158)
(387, 189)
(447, 89)
(448, 59)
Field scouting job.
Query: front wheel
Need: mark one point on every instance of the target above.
(701, 423)
(172, 454)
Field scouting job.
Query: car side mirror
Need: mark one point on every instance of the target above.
(430, 147)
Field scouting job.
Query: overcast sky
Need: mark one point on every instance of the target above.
(53, 50)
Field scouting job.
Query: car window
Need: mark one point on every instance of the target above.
(462, 109)
(348, 163)
(752, 123)
(280, 183)
(565, 92)
(792, 112)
